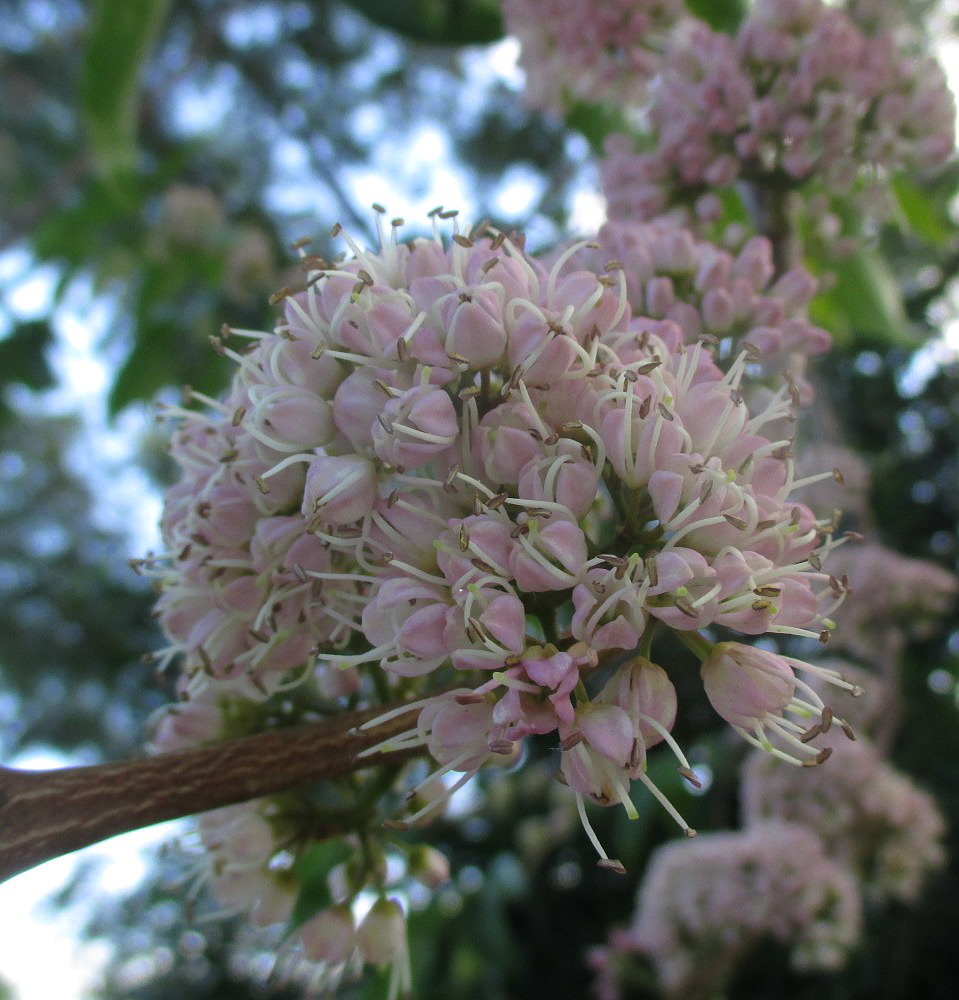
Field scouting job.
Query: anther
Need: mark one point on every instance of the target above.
(612, 865)
(690, 775)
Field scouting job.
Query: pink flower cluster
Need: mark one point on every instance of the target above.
(452, 466)
(799, 91)
(704, 904)
(730, 299)
(589, 50)
(876, 822)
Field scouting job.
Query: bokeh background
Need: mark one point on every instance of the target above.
(156, 161)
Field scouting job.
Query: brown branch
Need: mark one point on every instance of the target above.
(44, 814)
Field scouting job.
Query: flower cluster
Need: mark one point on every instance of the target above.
(876, 821)
(463, 480)
(584, 50)
(703, 905)
(893, 596)
(799, 91)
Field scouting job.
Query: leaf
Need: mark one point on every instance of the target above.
(865, 299)
(439, 22)
(23, 355)
(596, 121)
(121, 34)
(721, 15)
(311, 870)
(919, 212)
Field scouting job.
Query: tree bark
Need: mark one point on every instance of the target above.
(44, 814)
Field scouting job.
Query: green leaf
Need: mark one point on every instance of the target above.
(121, 33)
(23, 355)
(919, 212)
(438, 22)
(865, 299)
(721, 15)
(595, 121)
(311, 870)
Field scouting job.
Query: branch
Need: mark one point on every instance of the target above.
(44, 814)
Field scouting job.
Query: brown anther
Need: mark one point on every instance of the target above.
(402, 350)
(318, 352)
(434, 212)
(737, 522)
(847, 729)
(463, 241)
(612, 865)
(571, 740)
(477, 502)
(690, 832)
(768, 590)
(464, 538)
(498, 240)
(484, 567)
(467, 698)
(650, 366)
(387, 390)
(300, 573)
(460, 359)
(690, 775)
(826, 717)
(811, 733)
(794, 515)
(217, 345)
(385, 422)
(495, 502)
(229, 455)
(761, 605)
(277, 297)
(238, 414)
(814, 561)
(664, 412)
(518, 529)
(644, 407)
(397, 222)
(707, 491)
(450, 213)
(303, 241)
(687, 609)
(652, 572)
(386, 558)
(824, 636)
(736, 395)
(606, 281)
(824, 755)
(259, 636)
(513, 660)
(470, 632)
(489, 265)
(378, 208)
(336, 229)
(392, 498)
(613, 265)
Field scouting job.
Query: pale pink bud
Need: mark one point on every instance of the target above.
(274, 903)
(549, 557)
(429, 866)
(381, 937)
(745, 684)
(330, 936)
(415, 426)
(475, 328)
(339, 489)
(290, 418)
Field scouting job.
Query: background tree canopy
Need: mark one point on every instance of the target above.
(156, 161)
